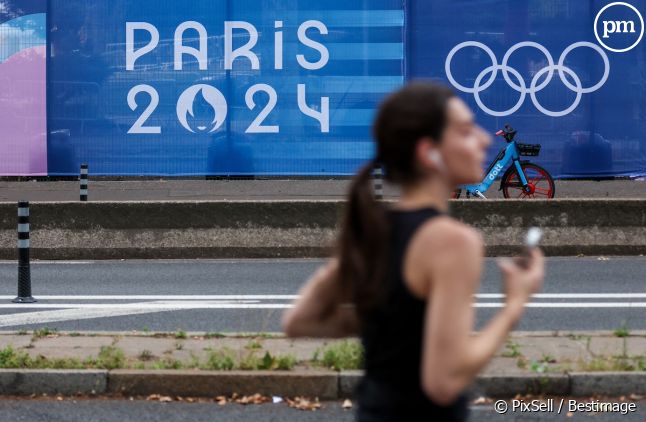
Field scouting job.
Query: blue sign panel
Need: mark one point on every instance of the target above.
(215, 87)
(570, 75)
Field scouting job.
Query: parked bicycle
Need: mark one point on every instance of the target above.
(523, 179)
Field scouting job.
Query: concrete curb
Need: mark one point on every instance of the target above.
(52, 381)
(300, 229)
(210, 384)
(325, 385)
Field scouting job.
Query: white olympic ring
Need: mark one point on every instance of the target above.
(521, 87)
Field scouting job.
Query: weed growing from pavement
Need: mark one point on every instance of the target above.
(622, 331)
(109, 357)
(253, 344)
(213, 335)
(181, 334)
(223, 359)
(340, 356)
(146, 355)
(513, 350)
(44, 332)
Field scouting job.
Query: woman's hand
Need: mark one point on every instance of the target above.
(522, 280)
(321, 309)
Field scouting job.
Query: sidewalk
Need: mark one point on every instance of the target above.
(191, 364)
(184, 190)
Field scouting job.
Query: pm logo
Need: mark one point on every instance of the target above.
(615, 26)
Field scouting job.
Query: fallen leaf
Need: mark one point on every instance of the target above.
(347, 404)
(303, 403)
(482, 400)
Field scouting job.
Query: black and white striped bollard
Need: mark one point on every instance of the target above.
(24, 271)
(378, 179)
(84, 180)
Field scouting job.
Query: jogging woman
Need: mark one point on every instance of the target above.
(404, 274)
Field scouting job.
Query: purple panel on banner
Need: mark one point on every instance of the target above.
(23, 119)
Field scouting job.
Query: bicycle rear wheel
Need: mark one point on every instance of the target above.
(541, 184)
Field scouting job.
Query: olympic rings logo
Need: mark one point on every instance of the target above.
(521, 85)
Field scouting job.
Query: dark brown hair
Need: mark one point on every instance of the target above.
(416, 111)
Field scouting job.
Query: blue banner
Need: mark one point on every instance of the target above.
(569, 75)
(215, 87)
(290, 87)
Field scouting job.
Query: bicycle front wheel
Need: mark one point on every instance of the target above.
(540, 183)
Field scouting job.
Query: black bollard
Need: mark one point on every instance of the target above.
(24, 271)
(378, 182)
(84, 180)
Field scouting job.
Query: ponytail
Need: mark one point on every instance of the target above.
(363, 241)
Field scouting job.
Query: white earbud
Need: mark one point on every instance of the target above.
(435, 156)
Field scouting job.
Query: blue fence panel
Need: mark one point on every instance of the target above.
(539, 66)
(144, 88)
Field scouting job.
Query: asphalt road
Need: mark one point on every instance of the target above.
(145, 411)
(588, 293)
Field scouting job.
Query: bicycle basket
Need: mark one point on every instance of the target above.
(531, 150)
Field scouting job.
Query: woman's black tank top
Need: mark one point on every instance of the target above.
(392, 338)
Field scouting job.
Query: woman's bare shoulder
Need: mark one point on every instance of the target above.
(445, 232)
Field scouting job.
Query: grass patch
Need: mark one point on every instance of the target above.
(512, 350)
(622, 331)
(340, 356)
(109, 357)
(213, 335)
(181, 334)
(220, 360)
(253, 345)
(44, 332)
(10, 358)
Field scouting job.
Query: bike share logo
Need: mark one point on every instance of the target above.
(543, 77)
(212, 96)
(496, 171)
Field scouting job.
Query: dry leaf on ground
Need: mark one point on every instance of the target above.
(303, 403)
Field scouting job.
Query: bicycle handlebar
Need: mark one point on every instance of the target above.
(508, 133)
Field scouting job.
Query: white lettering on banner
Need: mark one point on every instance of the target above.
(322, 116)
(180, 49)
(210, 95)
(131, 54)
(256, 125)
(302, 37)
(245, 51)
(278, 46)
(139, 127)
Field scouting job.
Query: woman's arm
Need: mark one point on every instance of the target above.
(452, 357)
(320, 310)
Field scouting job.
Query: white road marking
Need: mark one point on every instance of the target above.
(76, 307)
(206, 305)
(162, 297)
(70, 315)
(294, 297)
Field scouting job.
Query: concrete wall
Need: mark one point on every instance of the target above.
(278, 229)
